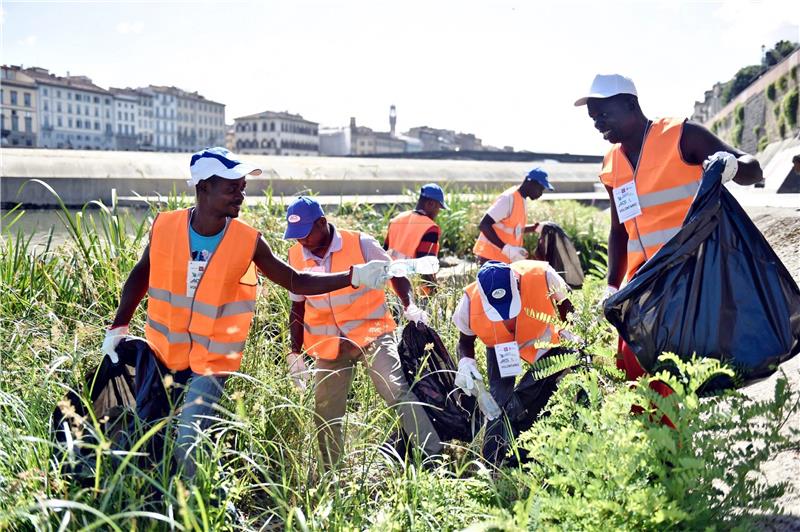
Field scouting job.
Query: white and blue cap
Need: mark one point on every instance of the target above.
(220, 162)
(540, 176)
(499, 291)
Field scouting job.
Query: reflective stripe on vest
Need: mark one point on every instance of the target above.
(207, 332)
(405, 234)
(665, 185)
(531, 334)
(359, 315)
(509, 230)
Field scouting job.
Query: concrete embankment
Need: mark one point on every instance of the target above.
(79, 176)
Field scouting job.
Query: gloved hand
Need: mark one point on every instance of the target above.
(415, 314)
(298, 370)
(373, 274)
(610, 291)
(731, 164)
(467, 375)
(515, 253)
(113, 337)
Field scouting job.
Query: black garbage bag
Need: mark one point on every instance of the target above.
(716, 289)
(431, 373)
(110, 391)
(556, 248)
(126, 398)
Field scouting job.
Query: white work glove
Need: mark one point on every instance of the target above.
(731, 164)
(113, 337)
(373, 274)
(467, 375)
(415, 314)
(515, 253)
(298, 370)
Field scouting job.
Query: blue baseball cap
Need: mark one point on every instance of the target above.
(301, 215)
(497, 286)
(434, 192)
(540, 176)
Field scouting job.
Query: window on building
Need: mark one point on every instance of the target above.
(78, 124)
(59, 122)
(14, 121)
(45, 91)
(69, 108)
(77, 97)
(86, 110)
(69, 122)
(26, 99)
(96, 111)
(96, 99)
(13, 97)
(97, 126)
(58, 94)
(58, 106)
(29, 124)
(69, 95)
(46, 107)
(108, 101)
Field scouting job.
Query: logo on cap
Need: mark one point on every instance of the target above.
(498, 293)
(293, 218)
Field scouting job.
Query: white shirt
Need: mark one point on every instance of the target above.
(555, 285)
(503, 205)
(369, 248)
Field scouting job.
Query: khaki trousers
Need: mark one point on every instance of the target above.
(332, 384)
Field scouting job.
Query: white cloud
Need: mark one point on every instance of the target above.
(128, 28)
(30, 40)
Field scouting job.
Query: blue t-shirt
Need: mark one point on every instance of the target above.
(203, 246)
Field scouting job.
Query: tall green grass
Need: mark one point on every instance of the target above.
(261, 453)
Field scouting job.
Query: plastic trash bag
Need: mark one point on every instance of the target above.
(430, 373)
(716, 289)
(556, 248)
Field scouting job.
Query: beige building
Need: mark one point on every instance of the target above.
(18, 96)
(73, 112)
(275, 133)
(186, 121)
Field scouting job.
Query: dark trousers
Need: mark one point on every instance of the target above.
(522, 404)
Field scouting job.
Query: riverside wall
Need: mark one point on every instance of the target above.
(79, 176)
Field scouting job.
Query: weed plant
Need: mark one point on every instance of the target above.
(595, 465)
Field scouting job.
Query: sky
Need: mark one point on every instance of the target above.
(508, 71)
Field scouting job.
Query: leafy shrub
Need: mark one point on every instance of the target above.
(763, 142)
(736, 135)
(597, 467)
(783, 83)
(790, 107)
(738, 114)
(770, 92)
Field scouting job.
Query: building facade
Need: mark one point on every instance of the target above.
(19, 102)
(145, 124)
(126, 118)
(275, 133)
(73, 112)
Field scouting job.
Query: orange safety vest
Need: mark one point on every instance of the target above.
(405, 234)
(532, 325)
(510, 230)
(360, 314)
(666, 186)
(206, 332)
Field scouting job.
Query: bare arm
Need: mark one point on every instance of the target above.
(486, 228)
(402, 287)
(531, 228)
(296, 318)
(466, 346)
(617, 246)
(698, 143)
(134, 290)
(302, 283)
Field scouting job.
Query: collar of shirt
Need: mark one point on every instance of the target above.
(336, 245)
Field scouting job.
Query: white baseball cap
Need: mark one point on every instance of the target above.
(218, 161)
(606, 86)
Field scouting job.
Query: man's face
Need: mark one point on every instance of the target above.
(318, 236)
(613, 117)
(532, 189)
(432, 207)
(225, 196)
